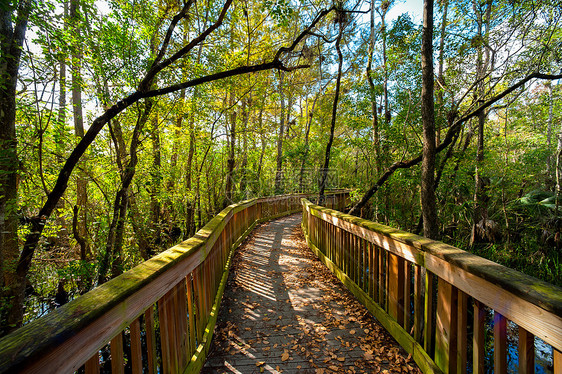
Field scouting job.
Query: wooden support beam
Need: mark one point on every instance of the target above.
(446, 327)
(418, 303)
(92, 366)
(150, 340)
(526, 352)
(557, 361)
(396, 287)
(500, 344)
(429, 326)
(136, 349)
(478, 351)
(462, 347)
(116, 348)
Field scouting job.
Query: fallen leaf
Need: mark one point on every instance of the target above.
(285, 356)
(260, 363)
(352, 332)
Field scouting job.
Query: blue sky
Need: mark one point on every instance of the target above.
(414, 7)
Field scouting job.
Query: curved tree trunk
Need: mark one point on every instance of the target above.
(324, 171)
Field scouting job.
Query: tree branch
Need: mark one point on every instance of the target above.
(448, 137)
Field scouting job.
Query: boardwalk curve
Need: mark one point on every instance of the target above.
(284, 312)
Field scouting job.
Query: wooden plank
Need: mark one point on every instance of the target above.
(500, 344)
(462, 331)
(182, 326)
(526, 352)
(557, 361)
(372, 272)
(446, 327)
(166, 334)
(396, 287)
(136, 348)
(407, 294)
(478, 341)
(429, 326)
(418, 303)
(190, 311)
(92, 366)
(381, 284)
(116, 348)
(150, 340)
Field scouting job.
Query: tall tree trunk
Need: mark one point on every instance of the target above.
(61, 118)
(262, 140)
(244, 164)
(385, 6)
(324, 171)
(440, 76)
(81, 181)
(156, 181)
(12, 282)
(549, 129)
(428, 203)
(231, 156)
(480, 212)
(279, 170)
(369, 71)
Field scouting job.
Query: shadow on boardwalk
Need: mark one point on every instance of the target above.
(284, 312)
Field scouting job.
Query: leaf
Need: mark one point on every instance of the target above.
(285, 356)
(260, 363)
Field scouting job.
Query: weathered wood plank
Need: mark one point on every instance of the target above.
(557, 361)
(526, 352)
(446, 327)
(150, 340)
(396, 287)
(429, 326)
(500, 344)
(478, 343)
(136, 348)
(116, 348)
(166, 334)
(462, 332)
(418, 303)
(92, 366)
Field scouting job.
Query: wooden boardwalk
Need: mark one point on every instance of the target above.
(284, 312)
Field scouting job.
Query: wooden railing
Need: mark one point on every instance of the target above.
(158, 317)
(433, 297)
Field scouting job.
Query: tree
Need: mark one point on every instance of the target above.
(12, 34)
(428, 203)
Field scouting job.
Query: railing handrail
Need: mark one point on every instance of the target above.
(531, 303)
(538, 292)
(75, 331)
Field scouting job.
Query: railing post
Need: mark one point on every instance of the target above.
(396, 287)
(446, 329)
(478, 338)
(526, 352)
(500, 344)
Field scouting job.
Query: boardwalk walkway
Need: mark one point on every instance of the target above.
(284, 312)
